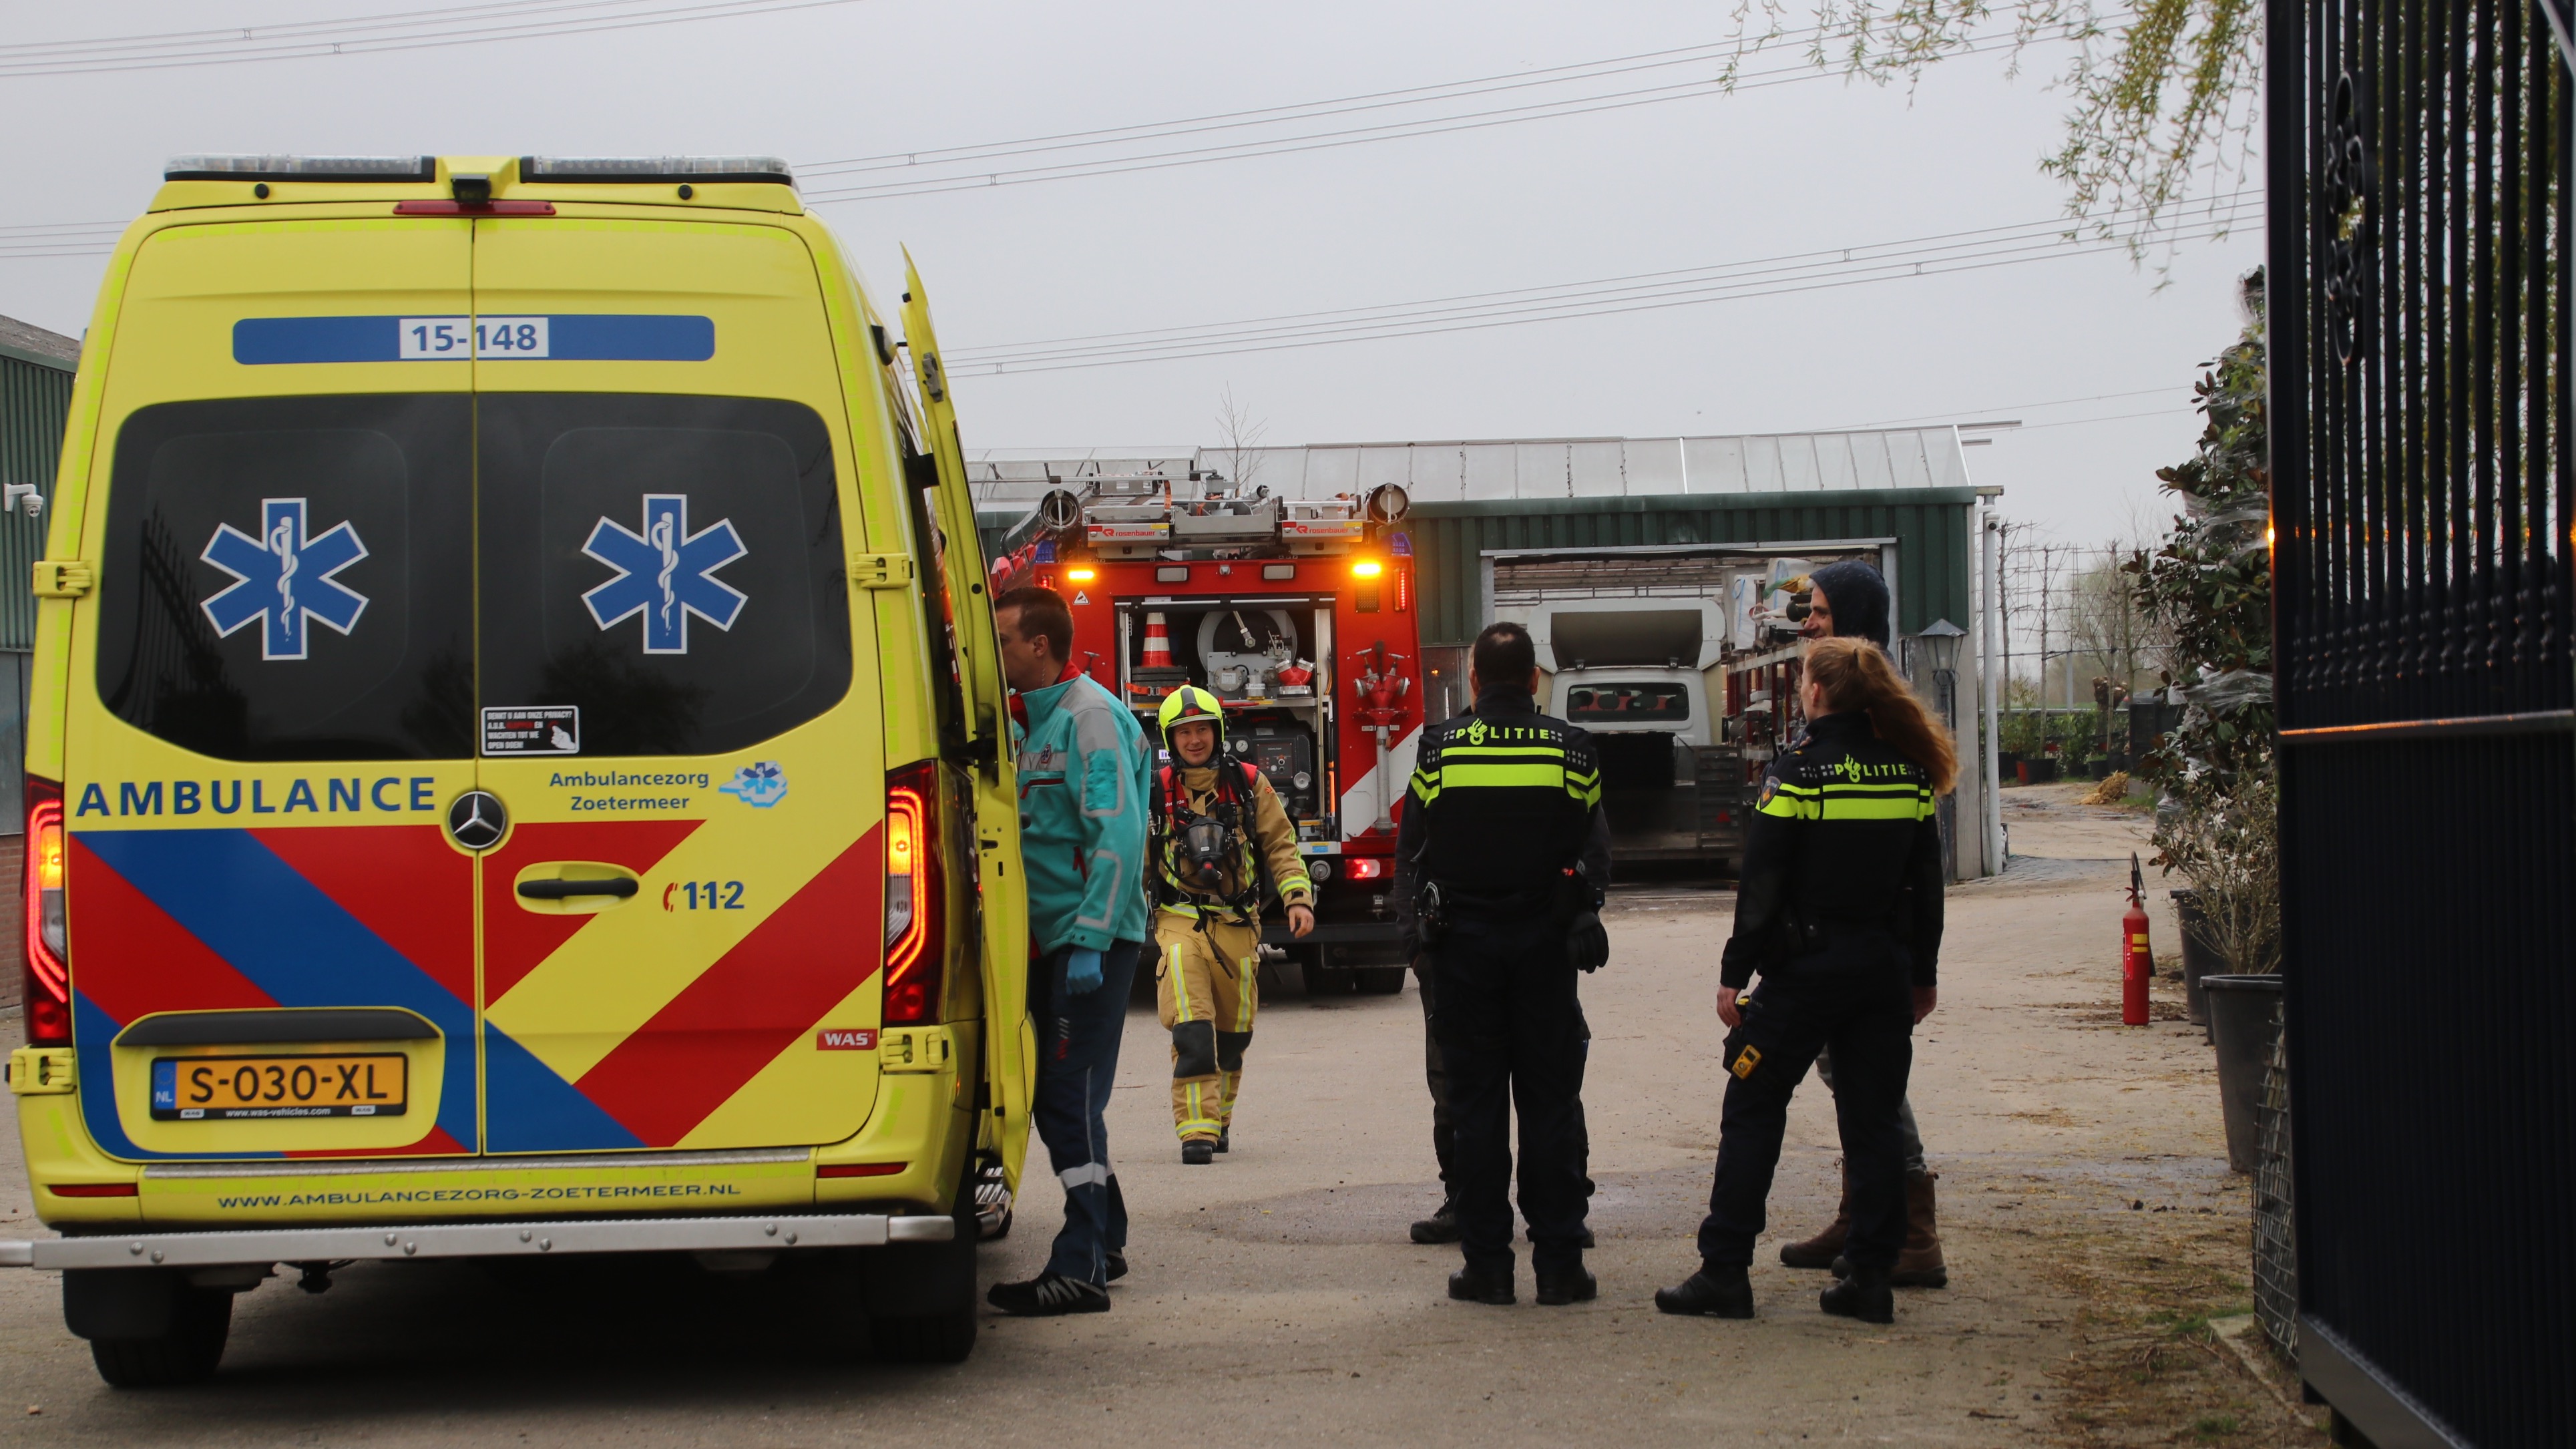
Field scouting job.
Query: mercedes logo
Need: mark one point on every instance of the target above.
(477, 820)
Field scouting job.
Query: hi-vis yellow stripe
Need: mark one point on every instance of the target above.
(1848, 802)
(1470, 777)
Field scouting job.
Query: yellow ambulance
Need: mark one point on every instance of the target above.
(516, 758)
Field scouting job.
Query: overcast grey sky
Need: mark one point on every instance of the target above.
(2070, 344)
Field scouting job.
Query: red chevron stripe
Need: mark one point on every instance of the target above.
(130, 959)
(761, 997)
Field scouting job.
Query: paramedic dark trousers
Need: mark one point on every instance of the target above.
(1857, 997)
(1077, 1065)
(1510, 1034)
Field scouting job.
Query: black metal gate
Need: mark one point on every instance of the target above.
(2424, 487)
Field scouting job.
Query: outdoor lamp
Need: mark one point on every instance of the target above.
(1942, 638)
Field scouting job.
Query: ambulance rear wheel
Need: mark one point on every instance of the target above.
(920, 1297)
(185, 1352)
(1381, 980)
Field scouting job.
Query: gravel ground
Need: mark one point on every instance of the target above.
(2093, 1231)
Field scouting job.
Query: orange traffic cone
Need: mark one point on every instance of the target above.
(1158, 643)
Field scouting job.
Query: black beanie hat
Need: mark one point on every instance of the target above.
(1858, 597)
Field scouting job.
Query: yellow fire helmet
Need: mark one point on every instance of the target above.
(1187, 703)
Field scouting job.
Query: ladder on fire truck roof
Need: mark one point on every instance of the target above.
(1155, 515)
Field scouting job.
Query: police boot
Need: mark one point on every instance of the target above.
(1920, 1265)
(1821, 1250)
(1864, 1295)
(1440, 1227)
(1718, 1290)
(1472, 1284)
(1560, 1286)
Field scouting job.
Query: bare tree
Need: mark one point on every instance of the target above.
(1239, 436)
(2107, 630)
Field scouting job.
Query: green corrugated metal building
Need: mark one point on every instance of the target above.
(36, 368)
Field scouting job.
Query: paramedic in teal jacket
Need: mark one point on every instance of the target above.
(1083, 768)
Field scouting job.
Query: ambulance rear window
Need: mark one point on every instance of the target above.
(671, 565)
(292, 578)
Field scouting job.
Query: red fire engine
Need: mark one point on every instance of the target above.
(1299, 616)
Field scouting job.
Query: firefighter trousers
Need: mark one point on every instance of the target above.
(1206, 989)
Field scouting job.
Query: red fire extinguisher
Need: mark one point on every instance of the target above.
(2137, 958)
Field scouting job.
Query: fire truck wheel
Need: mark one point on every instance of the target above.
(1381, 980)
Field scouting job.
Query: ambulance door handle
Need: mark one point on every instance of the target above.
(555, 890)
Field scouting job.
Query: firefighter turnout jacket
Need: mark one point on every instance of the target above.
(1844, 835)
(1504, 801)
(1181, 791)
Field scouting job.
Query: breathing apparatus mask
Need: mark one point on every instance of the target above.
(1207, 847)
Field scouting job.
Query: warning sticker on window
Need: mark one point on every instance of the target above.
(549, 729)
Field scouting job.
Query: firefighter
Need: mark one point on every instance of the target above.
(1222, 846)
(1840, 910)
(1849, 600)
(1503, 851)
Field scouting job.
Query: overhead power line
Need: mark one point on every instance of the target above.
(1370, 100)
(975, 173)
(1769, 276)
(372, 35)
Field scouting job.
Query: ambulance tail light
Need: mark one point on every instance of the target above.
(48, 991)
(1364, 867)
(915, 941)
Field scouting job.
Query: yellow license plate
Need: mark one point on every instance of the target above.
(190, 1089)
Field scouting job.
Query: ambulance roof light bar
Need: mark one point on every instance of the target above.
(301, 168)
(630, 170)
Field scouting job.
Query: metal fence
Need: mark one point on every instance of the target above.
(2423, 489)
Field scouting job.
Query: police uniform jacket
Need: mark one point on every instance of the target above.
(1844, 837)
(1503, 801)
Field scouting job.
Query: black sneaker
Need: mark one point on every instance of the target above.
(1198, 1152)
(1047, 1295)
(1116, 1264)
(1560, 1286)
(1440, 1227)
(1717, 1292)
(1225, 1140)
(1470, 1285)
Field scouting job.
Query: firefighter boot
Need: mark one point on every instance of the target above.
(1821, 1250)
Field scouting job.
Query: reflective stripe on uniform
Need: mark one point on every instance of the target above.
(1847, 802)
(1180, 979)
(1089, 1174)
(1472, 776)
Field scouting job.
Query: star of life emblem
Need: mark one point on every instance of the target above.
(665, 573)
(283, 578)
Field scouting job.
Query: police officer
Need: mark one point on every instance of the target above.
(1502, 850)
(1849, 600)
(1840, 910)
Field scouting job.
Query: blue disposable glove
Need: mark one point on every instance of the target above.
(1081, 971)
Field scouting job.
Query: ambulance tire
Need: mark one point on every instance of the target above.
(186, 1348)
(1382, 980)
(920, 1297)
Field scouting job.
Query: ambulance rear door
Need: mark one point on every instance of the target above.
(677, 701)
(269, 697)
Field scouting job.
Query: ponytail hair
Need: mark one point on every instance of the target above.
(1855, 674)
